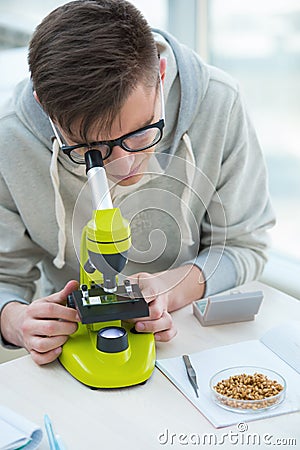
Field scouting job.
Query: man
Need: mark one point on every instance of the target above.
(180, 153)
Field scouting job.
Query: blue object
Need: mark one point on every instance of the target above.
(54, 443)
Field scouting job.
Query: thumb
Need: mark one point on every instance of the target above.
(61, 296)
(143, 279)
(149, 294)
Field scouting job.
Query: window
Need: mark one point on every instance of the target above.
(258, 42)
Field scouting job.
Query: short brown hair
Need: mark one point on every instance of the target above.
(86, 57)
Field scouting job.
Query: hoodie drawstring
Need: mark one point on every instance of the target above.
(190, 167)
(185, 199)
(60, 213)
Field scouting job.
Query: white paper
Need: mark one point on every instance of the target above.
(208, 362)
(284, 340)
(16, 431)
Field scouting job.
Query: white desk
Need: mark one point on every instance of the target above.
(133, 418)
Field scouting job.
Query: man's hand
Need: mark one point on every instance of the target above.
(155, 292)
(41, 327)
(166, 292)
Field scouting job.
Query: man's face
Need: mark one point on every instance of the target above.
(143, 107)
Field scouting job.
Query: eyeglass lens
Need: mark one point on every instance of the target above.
(138, 141)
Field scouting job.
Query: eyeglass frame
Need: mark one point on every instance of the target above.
(67, 149)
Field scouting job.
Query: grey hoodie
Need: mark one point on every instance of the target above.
(204, 198)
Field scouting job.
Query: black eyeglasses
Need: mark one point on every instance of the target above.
(136, 141)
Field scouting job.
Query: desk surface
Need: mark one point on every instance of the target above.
(135, 417)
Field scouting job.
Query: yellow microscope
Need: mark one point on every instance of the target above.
(106, 351)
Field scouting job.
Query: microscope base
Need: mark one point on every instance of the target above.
(98, 369)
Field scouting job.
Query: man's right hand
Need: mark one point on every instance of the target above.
(41, 327)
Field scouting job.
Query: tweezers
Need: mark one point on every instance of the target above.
(191, 373)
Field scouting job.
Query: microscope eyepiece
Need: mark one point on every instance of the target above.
(93, 158)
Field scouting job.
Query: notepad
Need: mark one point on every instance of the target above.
(278, 350)
(16, 431)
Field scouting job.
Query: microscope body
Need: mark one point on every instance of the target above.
(106, 351)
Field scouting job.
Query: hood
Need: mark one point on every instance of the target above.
(33, 117)
(184, 69)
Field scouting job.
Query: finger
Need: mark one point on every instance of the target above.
(155, 312)
(165, 336)
(142, 279)
(61, 296)
(48, 310)
(149, 294)
(54, 328)
(157, 309)
(153, 326)
(45, 358)
(47, 344)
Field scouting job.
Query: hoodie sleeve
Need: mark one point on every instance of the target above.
(19, 254)
(234, 235)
